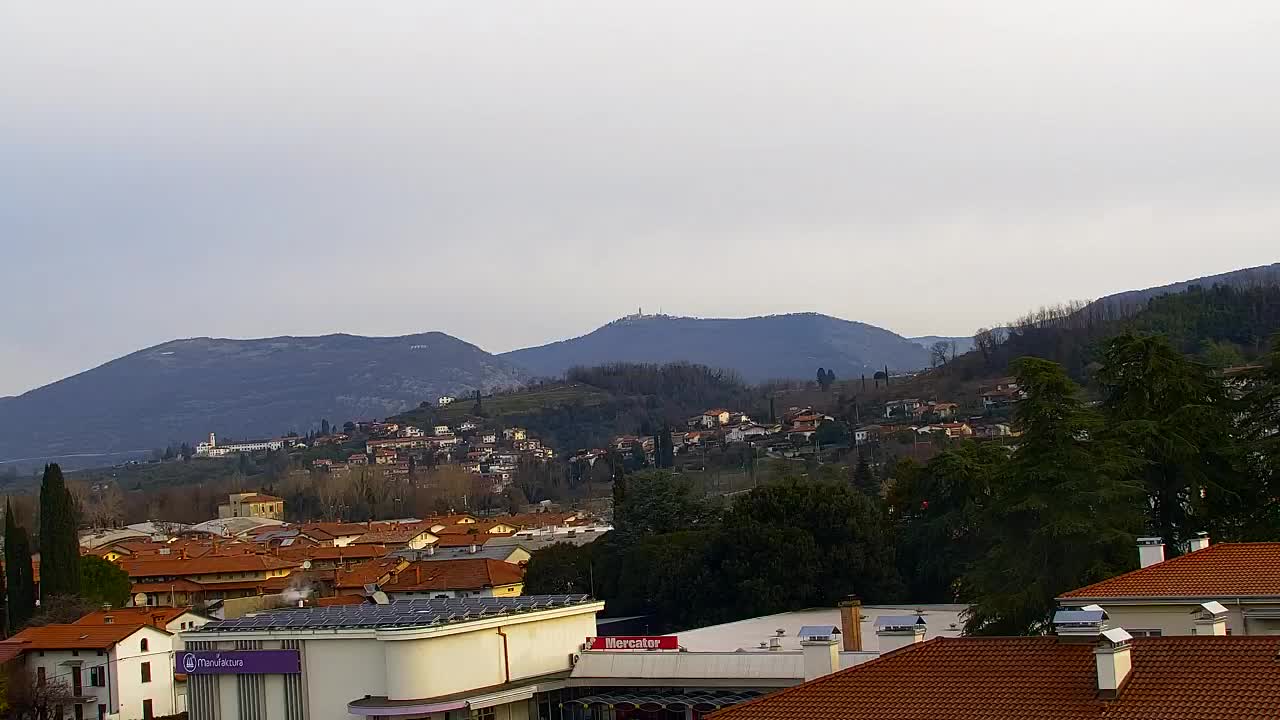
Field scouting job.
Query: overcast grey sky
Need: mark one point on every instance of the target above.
(517, 172)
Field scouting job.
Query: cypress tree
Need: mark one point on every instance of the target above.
(59, 547)
(20, 592)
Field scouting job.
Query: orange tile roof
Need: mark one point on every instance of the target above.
(170, 566)
(400, 536)
(157, 616)
(179, 585)
(1039, 678)
(328, 552)
(366, 573)
(260, 498)
(1224, 570)
(75, 637)
(464, 574)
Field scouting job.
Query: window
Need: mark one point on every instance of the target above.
(40, 676)
(102, 712)
(78, 710)
(144, 645)
(488, 713)
(147, 713)
(146, 672)
(98, 676)
(1146, 633)
(75, 653)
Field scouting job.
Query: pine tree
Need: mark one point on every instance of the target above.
(20, 592)
(863, 479)
(1173, 413)
(1062, 513)
(59, 547)
(773, 414)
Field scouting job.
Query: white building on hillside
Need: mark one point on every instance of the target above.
(211, 448)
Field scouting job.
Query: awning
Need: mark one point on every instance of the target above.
(652, 701)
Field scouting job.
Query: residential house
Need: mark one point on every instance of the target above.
(441, 431)
(410, 431)
(903, 407)
(183, 581)
(120, 671)
(411, 537)
(866, 434)
(170, 619)
(1168, 597)
(355, 578)
(395, 444)
(252, 504)
(942, 410)
(468, 426)
(745, 432)
(711, 419)
(470, 577)
(489, 438)
(358, 459)
(445, 400)
(383, 456)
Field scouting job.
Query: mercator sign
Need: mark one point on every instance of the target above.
(634, 642)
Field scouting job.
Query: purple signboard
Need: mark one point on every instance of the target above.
(238, 662)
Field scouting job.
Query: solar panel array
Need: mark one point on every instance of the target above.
(418, 612)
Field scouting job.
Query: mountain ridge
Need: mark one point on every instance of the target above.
(759, 348)
(177, 391)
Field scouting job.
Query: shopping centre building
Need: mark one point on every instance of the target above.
(517, 658)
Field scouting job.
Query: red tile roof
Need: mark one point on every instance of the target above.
(366, 573)
(328, 552)
(401, 536)
(75, 637)
(464, 574)
(170, 566)
(1224, 570)
(157, 616)
(338, 600)
(1039, 678)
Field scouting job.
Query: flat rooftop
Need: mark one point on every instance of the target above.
(941, 621)
(421, 612)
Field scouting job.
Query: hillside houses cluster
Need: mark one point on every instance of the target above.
(398, 448)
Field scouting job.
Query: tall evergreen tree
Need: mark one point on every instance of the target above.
(863, 479)
(20, 588)
(59, 546)
(1258, 517)
(1173, 413)
(1062, 514)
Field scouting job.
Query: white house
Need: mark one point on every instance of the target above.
(122, 672)
(441, 430)
(446, 400)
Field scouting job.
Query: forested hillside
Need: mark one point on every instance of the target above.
(1223, 325)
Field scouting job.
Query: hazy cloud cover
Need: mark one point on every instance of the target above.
(516, 172)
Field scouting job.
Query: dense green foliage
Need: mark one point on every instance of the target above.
(59, 544)
(792, 542)
(103, 582)
(20, 586)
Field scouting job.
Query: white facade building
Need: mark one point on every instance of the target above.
(484, 658)
(108, 672)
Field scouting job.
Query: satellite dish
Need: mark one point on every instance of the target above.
(140, 600)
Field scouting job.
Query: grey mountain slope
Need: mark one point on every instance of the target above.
(758, 348)
(180, 390)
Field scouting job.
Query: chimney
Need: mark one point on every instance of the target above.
(1114, 661)
(1199, 542)
(821, 651)
(1150, 551)
(431, 550)
(851, 623)
(898, 631)
(417, 575)
(1211, 619)
(473, 548)
(775, 643)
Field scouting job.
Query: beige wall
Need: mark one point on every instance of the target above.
(440, 666)
(337, 672)
(1180, 619)
(538, 648)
